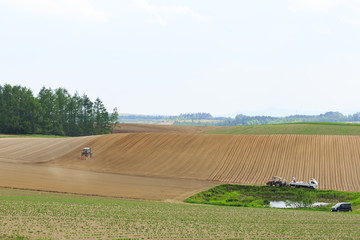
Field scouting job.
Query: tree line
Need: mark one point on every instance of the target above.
(54, 112)
(257, 120)
(241, 119)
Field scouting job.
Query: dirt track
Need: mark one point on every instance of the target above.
(44, 178)
(173, 166)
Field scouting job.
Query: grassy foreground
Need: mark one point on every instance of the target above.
(315, 128)
(259, 196)
(38, 215)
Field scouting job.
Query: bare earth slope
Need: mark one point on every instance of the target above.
(333, 160)
(45, 178)
(21, 166)
(174, 166)
(37, 149)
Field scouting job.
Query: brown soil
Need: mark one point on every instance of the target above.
(173, 166)
(154, 128)
(332, 160)
(56, 179)
(22, 166)
(29, 150)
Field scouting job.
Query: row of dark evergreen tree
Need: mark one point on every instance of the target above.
(53, 112)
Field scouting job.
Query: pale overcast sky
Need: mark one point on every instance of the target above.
(170, 57)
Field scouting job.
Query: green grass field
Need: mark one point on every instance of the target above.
(259, 196)
(315, 128)
(39, 215)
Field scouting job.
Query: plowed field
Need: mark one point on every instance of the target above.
(333, 160)
(23, 165)
(28, 150)
(174, 166)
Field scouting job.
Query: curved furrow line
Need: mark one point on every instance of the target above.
(328, 149)
(308, 159)
(244, 158)
(322, 160)
(231, 166)
(268, 161)
(258, 161)
(286, 156)
(340, 157)
(342, 162)
(310, 143)
(180, 158)
(295, 158)
(258, 149)
(317, 159)
(220, 173)
(356, 164)
(327, 160)
(247, 158)
(346, 164)
(352, 168)
(279, 162)
(219, 157)
(300, 159)
(238, 170)
(335, 171)
(264, 159)
(270, 158)
(280, 159)
(238, 161)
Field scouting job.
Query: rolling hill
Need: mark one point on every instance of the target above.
(243, 159)
(160, 165)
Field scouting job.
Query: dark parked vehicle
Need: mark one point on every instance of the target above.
(342, 207)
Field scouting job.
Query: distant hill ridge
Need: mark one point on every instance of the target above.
(207, 119)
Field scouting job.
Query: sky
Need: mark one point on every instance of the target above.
(160, 57)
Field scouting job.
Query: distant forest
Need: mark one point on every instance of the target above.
(257, 120)
(53, 112)
(181, 117)
(207, 119)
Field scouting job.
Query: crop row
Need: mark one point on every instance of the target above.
(65, 216)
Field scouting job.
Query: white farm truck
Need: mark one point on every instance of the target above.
(311, 184)
(278, 182)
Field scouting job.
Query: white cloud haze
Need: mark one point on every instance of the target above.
(160, 13)
(251, 57)
(81, 9)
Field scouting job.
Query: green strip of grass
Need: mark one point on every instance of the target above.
(310, 128)
(327, 123)
(259, 196)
